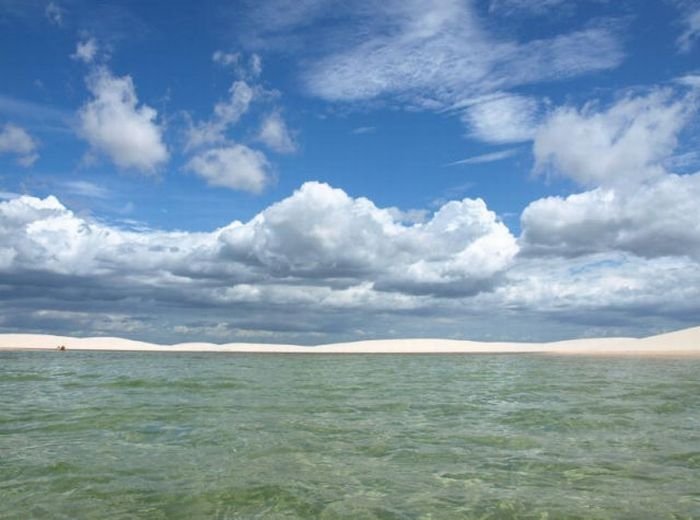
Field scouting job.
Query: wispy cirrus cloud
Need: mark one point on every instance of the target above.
(510, 7)
(40, 114)
(691, 28)
(487, 157)
(360, 130)
(441, 52)
(54, 13)
(435, 55)
(85, 188)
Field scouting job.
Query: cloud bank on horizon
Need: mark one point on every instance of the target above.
(320, 171)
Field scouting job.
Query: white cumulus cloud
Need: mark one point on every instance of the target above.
(317, 236)
(624, 143)
(246, 69)
(605, 289)
(114, 123)
(660, 218)
(503, 118)
(86, 50)
(275, 134)
(321, 231)
(15, 140)
(226, 113)
(321, 264)
(225, 58)
(622, 151)
(234, 166)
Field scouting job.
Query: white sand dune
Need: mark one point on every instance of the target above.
(680, 343)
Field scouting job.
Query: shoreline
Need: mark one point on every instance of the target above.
(683, 343)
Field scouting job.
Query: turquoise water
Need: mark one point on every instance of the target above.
(132, 435)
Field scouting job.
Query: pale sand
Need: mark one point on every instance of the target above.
(680, 343)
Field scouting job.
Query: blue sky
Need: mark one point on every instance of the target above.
(310, 171)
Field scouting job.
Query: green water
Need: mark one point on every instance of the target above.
(120, 435)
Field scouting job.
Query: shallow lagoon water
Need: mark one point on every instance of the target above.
(143, 435)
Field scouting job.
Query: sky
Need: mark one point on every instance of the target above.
(311, 171)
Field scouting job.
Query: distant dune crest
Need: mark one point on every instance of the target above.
(683, 343)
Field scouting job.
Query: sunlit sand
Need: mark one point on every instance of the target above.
(682, 343)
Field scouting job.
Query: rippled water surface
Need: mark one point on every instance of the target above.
(131, 435)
